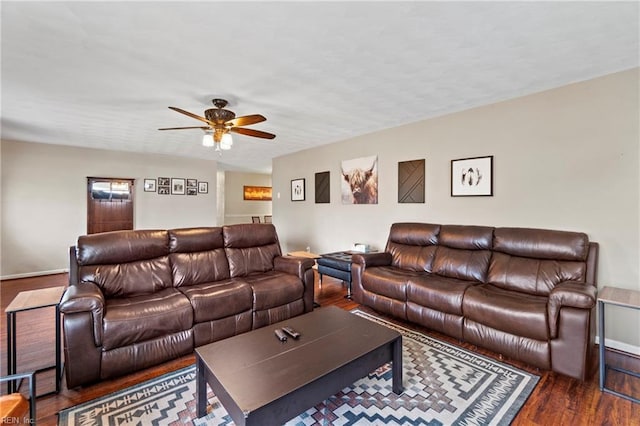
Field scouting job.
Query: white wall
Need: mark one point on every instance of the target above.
(44, 200)
(236, 208)
(564, 159)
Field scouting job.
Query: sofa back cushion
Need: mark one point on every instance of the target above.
(534, 261)
(250, 248)
(125, 263)
(197, 256)
(464, 252)
(413, 245)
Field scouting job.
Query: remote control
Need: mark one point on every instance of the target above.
(281, 336)
(291, 332)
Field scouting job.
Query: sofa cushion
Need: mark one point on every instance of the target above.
(532, 276)
(413, 245)
(131, 278)
(542, 243)
(469, 265)
(220, 299)
(140, 318)
(389, 281)
(438, 293)
(191, 240)
(250, 248)
(466, 237)
(513, 312)
(273, 289)
(121, 247)
(197, 268)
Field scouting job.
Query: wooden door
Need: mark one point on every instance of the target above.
(109, 204)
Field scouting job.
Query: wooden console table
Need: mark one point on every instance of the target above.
(619, 297)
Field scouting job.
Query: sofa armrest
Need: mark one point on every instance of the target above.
(570, 294)
(293, 265)
(372, 259)
(85, 297)
(302, 268)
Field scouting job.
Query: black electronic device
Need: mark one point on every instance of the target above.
(291, 332)
(280, 335)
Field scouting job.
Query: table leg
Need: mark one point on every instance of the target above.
(11, 350)
(58, 351)
(396, 366)
(201, 389)
(601, 348)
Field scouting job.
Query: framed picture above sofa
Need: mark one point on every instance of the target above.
(472, 177)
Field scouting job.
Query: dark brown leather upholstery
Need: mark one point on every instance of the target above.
(139, 298)
(529, 294)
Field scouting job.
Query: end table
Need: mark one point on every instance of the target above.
(619, 297)
(27, 301)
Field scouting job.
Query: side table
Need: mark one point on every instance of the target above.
(27, 301)
(619, 297)
(336, 265)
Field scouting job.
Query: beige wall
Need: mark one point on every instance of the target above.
(44, 205)
(563, 159)
(236, 208)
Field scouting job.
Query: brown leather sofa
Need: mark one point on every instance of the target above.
(528, 294)
(139, 298)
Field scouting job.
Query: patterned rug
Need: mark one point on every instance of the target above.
(444, 385)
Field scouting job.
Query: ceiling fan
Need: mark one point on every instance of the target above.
(220, 122)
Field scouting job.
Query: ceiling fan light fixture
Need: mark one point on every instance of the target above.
(207, 140)
(226, 142)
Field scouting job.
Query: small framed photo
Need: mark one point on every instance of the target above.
(178, 186)
(192, 183)
(149, 185)
(203, 187)
(164, 181)
(192, 190)
(297, 190)
(164, 190)
(472, 177)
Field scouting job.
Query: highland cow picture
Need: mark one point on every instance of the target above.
(359, 180)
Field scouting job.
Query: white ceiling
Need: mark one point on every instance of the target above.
(102, 74)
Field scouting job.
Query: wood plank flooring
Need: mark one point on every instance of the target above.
(557, 399)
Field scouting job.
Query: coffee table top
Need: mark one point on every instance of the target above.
(255, 368)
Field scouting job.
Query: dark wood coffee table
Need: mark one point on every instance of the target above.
(262, 381)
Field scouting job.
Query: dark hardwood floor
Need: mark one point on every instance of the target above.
(557, 399)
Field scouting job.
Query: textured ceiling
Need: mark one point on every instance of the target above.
(102, 74)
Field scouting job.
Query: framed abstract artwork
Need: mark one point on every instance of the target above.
(411, 181)
(297, 190)
(472, 177)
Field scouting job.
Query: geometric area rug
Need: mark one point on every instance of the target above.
(443, 385)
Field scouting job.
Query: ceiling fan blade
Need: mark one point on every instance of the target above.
(192, 115)
(254, 133)
(246, 120)
(181, 128)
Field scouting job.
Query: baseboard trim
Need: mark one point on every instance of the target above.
(621, 346)
(33, 274)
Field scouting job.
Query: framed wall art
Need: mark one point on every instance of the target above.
(256, 193)
(149, 185)
(178, 186)
(164, 186)
(472, 177)
(323, 187)
(297, 190)
(203, 187)
(411, 181)
(359, 181)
